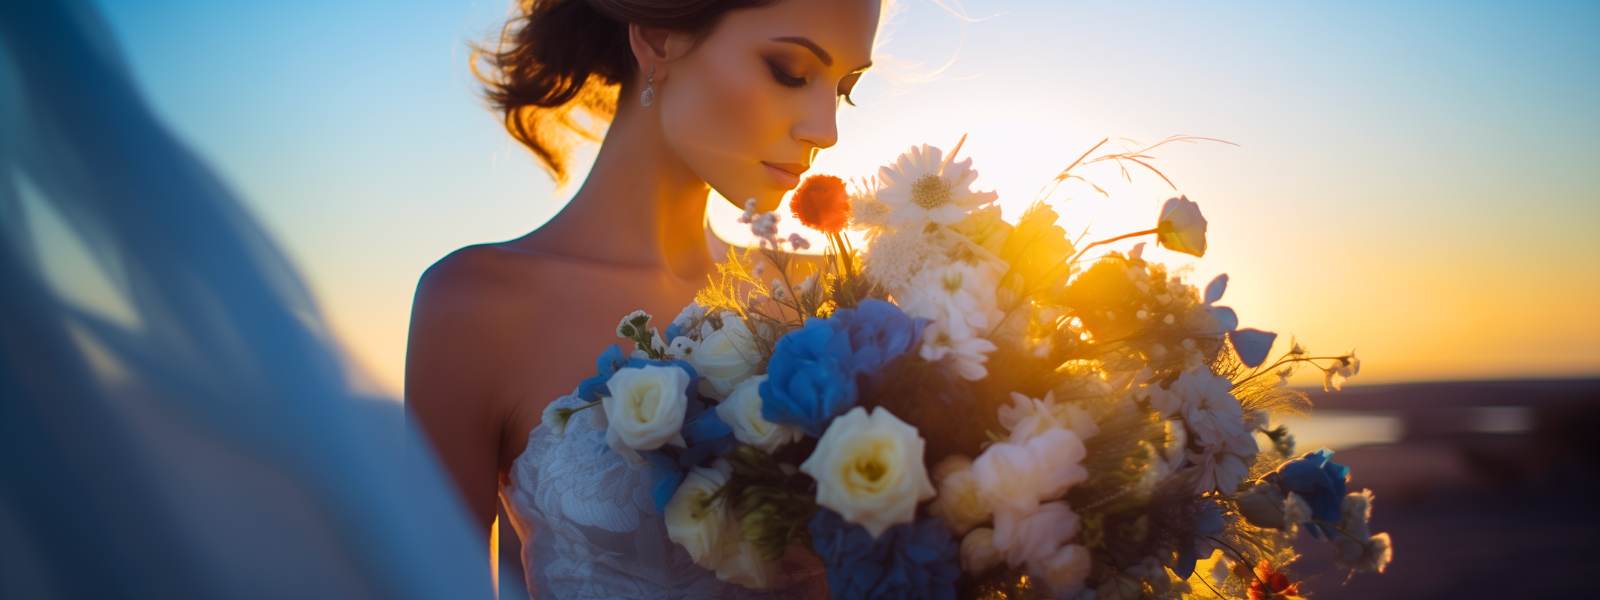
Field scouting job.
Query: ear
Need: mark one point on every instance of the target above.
(649, 46)
(655, 47)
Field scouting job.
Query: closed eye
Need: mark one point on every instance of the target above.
(784, 78)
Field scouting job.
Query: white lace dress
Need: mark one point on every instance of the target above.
(590, 529)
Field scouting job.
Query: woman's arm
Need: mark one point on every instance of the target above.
(453, 376)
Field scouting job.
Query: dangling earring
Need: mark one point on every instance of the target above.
(648, 96)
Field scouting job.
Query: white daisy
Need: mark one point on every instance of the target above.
(921, 187)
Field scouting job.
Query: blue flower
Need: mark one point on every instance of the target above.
(605, 366)
(910, 560)
(1318, 479)
(812, 376)
(1207, 523)
(808, 379)
(879, 332)
(707, 436)
(613, 360)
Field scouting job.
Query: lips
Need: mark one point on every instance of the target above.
(786, 175)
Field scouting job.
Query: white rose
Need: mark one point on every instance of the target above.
(1033, 537)
(1064, 571)
(693, 520)
(645, 408)
(978, 552)
(869, 469)
(1181, 227)
(960, 501)
(742, 412)
(726, 356)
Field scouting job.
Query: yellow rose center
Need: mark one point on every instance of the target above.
(643, 407)
(868, 470)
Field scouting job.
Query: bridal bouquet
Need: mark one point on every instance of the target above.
(978, 408)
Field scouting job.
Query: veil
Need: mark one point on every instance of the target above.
(215, 446)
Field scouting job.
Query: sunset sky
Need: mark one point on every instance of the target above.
(1408, 181)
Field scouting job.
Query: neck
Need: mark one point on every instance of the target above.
(639, 205)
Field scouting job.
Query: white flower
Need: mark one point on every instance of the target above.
(681, 347)
(893, 256)
(1181, 227)
(1296, 510)
(964, 355)
(1035, 536)
(920, 187)
(710, 532)
(1064, 571)
(1027, 417)
(694, 520)
(1015, 477)
(1371, 554)
(869, 469)
(742, 412)
(555, 417)
(978, 552)
(1334, 376)
(1212, 412)
(726, 356)
(645, 408)
(1354, 513)
(959, 293)
(686, 319)
(960, 502)
(1219, 470)
(1059, 454)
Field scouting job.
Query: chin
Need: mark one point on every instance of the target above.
(767, 198)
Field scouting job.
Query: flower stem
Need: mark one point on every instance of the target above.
(1248, 564)
(1284, 361)
(1124, 236)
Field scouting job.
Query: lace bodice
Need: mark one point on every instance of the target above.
(590, 529)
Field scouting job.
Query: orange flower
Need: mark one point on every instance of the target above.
(1272, 584)
(822, 203)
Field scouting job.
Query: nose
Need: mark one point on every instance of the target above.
(819, 125)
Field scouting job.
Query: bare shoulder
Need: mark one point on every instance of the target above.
(479, 356)
(475, 278)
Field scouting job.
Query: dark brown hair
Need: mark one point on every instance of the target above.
(558, 55)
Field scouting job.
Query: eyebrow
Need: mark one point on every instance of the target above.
(827, 59)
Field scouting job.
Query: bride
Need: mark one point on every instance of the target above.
(726, 95)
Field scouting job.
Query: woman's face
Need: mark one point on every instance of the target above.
(747, 109)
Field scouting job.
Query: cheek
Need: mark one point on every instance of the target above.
(721, 118)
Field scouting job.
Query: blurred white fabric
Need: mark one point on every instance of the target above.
(215, 446)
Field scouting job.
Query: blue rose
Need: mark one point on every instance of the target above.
(808, 379)
(1317, 479)
(812, 376)
(910, 560)
(879, 332)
